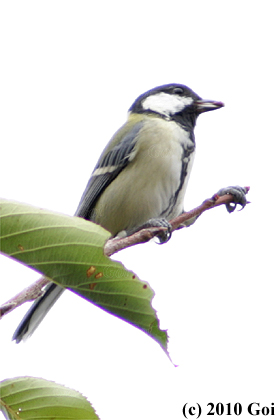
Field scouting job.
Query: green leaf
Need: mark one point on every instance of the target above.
(69, 250)
(35, 398)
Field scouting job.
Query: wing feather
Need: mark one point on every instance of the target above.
(110, 164)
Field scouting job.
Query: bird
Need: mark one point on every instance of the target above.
(141, 177)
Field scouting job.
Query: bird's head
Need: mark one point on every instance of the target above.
(173, 102)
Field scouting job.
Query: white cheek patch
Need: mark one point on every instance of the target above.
(166, 104)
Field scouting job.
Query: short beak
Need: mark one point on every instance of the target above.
(204, 105)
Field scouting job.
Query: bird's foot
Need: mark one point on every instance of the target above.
(239, 194)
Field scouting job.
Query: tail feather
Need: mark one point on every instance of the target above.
(37, 312)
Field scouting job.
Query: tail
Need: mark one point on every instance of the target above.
(37, 312)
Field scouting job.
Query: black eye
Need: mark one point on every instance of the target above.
(178, 91)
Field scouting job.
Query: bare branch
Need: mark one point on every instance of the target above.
(117, 244)
(31, 292)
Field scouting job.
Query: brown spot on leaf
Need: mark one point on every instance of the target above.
(98, 275)
(145, 286)
(20, 247)
(90, 270)
(92, 286)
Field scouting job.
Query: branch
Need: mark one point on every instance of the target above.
(114, 245)
(31, 292)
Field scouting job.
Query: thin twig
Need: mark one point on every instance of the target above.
(31, 292)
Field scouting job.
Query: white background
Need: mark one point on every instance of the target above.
(69, 72)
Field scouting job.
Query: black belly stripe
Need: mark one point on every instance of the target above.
(186, 153)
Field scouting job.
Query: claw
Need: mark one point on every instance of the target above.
(239, 194)
(162, 236)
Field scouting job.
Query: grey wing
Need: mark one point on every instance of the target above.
(107, 169)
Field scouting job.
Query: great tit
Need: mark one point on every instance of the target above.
(141, 177)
